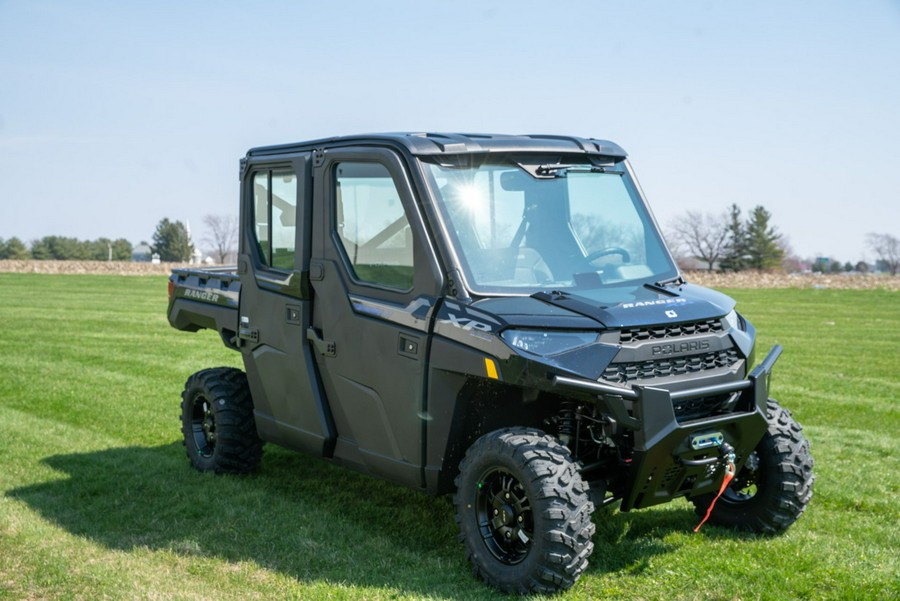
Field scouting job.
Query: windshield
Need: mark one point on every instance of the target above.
(522, 225)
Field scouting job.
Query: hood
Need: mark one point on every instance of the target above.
(617, 307)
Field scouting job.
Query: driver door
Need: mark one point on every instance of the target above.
(375, 281)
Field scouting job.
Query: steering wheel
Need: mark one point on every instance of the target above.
(612, 250)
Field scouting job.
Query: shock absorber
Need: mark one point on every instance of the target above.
(566, 420)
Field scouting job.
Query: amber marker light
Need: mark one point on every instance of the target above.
(491, 368)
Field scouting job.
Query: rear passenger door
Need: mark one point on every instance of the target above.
(375, 280)
(276, 304)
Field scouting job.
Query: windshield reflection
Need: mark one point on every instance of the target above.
(517, 232)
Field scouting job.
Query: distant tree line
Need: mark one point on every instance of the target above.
(832, 265)
(13, 249)
(885, 247)
(62, 248)
(171, 241)
(728, 242)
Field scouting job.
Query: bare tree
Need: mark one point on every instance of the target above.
(221, 235)
(704, 236)
(887, 248)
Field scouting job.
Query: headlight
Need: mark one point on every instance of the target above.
(734, 320)
(544, 343)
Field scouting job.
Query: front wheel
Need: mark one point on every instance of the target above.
(524, 512)
(775, 484)
(217, 422)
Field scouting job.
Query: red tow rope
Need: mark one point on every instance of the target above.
(729, 474)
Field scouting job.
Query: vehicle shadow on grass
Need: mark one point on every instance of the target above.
(628, 541)
(299, 516)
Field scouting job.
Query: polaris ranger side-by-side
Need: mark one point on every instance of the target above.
(491, 316)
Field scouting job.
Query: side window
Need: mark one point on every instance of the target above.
(371, 225)
(275, 214)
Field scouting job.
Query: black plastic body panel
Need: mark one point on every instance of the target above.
(205, 299)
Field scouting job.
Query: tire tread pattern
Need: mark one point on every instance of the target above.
(786, 471)
(562, 502)
(238, 447)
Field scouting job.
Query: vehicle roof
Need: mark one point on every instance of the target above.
(429, 144)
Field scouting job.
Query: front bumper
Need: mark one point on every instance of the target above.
(665, 462)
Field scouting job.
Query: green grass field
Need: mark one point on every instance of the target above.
(97, 500)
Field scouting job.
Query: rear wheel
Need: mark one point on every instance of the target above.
(775, 484)
(217, 422)
(524, 512)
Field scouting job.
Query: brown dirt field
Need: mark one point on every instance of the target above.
(744, 279)
(753, 279)
(88, 267)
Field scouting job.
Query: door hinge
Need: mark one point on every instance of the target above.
(325, 347)
(248, 334)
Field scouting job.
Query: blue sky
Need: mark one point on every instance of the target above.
(114, 115)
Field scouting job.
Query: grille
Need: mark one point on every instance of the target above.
(688, 409)
(622, 373)
(670, 331)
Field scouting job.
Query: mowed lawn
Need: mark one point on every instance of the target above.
(97, 500)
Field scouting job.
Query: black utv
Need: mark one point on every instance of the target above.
(491, 316)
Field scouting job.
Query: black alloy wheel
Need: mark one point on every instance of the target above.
(504, 516)
(203, 425)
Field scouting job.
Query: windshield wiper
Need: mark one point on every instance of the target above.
(550, 295)
(561, 170)
(660, 286)
(675, 280)
(574, 303)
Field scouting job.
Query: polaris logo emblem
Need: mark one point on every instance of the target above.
(679, 348)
